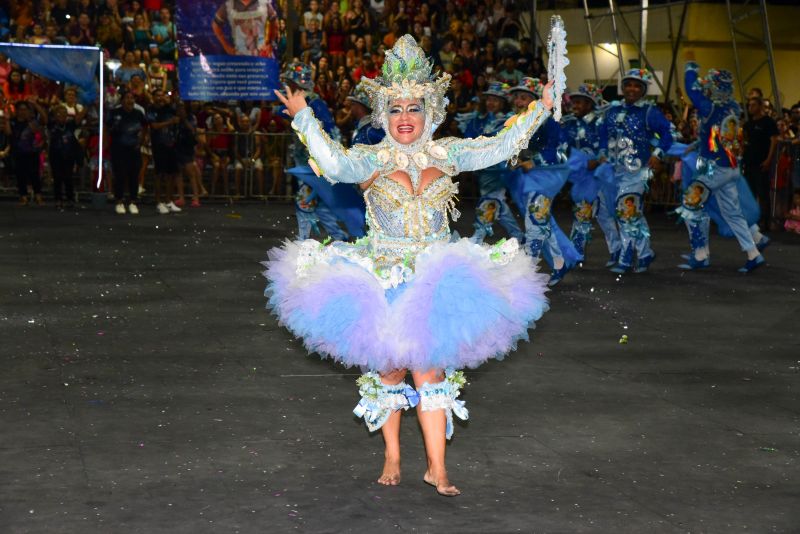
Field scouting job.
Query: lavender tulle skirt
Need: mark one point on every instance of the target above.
(463, 304)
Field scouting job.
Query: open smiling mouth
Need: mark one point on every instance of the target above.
(405, 129)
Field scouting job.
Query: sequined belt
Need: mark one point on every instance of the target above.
(390, 250)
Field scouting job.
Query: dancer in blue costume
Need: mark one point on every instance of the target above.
(406, 297)
(716, 170)
(747, 202)
(590, 196)
(310, 209)
(541, 174)
(492, 205)
(626, 133)
(365, 133)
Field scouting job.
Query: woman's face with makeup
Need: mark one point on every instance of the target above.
(406, 120)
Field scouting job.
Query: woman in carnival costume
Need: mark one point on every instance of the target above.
(541, 174)
(406, 298)
(715, 183)
(591, 196)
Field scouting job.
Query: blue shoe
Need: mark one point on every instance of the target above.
(693, 264)
(644, 263)
(557, 275)
(753, 264)
(763, 243)
(620, 268)
(612, 261)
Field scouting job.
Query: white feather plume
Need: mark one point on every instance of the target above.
(557, 61)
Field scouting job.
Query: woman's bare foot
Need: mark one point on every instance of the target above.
(442, 485)
(391, 473)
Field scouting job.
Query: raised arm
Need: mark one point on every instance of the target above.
(482, 152)
(693, 90)
(329, 159)
(42, 113)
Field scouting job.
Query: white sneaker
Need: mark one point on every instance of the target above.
(162, 208)
(141, 190)
(132, 209)
(120, 209)
(173, 208)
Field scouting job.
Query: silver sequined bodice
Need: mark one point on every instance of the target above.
(401, 223)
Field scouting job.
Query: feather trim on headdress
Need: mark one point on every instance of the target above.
(407, 73)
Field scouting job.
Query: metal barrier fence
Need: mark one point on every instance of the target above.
(245, 165)
(784, 181)
(236, 165)
(662, 191)
(232, 165)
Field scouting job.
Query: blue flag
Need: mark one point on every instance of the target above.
(76, 65)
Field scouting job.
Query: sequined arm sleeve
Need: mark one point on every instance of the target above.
(602, 134)
(482, 152)
(328, 158)
(664, 130)
(694, 91)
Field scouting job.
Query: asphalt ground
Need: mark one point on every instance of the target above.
(145, 388)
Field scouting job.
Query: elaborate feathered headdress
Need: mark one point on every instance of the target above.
(590, 91)
(643, 76)
(498, 89)
(360, 95)
(719, 83)
(532, 86)
(300, 74)
(407, 73)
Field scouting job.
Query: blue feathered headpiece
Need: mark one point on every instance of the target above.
(360, 95)
(498, 89)
(533, 86)
(719, 83)
(300, 74)
(643, 76)
(590, 91)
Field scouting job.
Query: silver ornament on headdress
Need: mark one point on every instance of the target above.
(408, 74)
(720, 84)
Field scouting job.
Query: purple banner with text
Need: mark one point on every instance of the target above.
(228, 49)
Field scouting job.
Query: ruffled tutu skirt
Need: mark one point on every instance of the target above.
(462, 305)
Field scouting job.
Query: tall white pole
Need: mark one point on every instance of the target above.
(102, 105)
(643, 29)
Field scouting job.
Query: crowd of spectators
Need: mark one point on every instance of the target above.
(342, 40)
